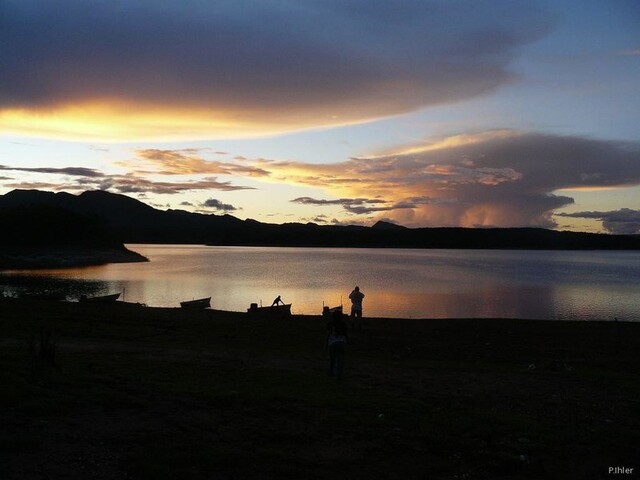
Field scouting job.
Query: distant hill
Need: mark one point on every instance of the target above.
(37, 233)
(382, 225)
(128, 220)
(48, 226)
(131, 221)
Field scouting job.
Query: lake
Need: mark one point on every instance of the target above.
(580, 285)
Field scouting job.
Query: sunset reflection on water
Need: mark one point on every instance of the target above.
(396, 282)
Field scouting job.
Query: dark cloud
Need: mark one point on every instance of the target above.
(622, 222)
(352, 205)
(73, 171)
(360, 206)
(218, 205)
(340, 201)
(132, 184)
(346, 223)
(88, 178)
(321, 219)
(41, 186)
(285, 64)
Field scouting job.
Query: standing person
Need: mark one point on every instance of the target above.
(356, 298)
(277, 301)
(337, 338)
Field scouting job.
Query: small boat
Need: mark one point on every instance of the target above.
(272, 311)
(327, 312)
(198, 304)
(112, 297)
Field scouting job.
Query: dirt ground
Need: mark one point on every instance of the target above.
(129, 392)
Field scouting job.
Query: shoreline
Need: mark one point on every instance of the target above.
(12, 258)
(577, 286)
(214, 314)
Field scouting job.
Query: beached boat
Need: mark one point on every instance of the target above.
(272, 311)
(198, 304)
(112, 297)
(327, 312)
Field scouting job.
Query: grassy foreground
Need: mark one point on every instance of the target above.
(128, 392)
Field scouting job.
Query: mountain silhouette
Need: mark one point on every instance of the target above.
(42, 230)
(382, 225)
(131, 221)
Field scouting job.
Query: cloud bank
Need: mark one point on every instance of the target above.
(119, 183)
(623, 222)
(497, 178)
(502, 178)
(194, 69)
(362, 206)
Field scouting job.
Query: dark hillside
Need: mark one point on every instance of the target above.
(48, 235)
(44, 226)
(131, 221)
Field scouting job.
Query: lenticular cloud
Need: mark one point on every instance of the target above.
(195, 68)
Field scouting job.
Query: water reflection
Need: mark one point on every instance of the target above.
(485, 302)
(50, 286)
(397, 283)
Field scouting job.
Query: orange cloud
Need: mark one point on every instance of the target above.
(490, 179)
(185, 162)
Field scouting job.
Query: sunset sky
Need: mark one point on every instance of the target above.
(424, 113)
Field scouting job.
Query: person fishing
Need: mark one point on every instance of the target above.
(356, 297)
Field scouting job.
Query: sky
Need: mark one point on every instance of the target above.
(423, 113)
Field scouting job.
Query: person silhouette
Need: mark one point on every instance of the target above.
(356, 297)
(277, 301)
(337, 339)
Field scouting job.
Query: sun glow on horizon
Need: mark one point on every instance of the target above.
(109, 121)
(116, 121)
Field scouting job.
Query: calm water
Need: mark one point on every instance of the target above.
(396, 282)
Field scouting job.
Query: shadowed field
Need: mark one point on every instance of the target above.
(127, 392)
